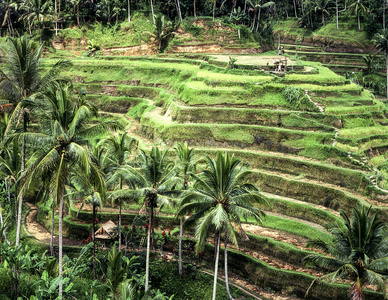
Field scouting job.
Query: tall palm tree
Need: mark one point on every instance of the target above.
(38, 12)
(219, 199)
(358, 251)
(257, 6)
(21, 77)
(381, 42)
(82, 189)
(152, 179)
(65, 128)
(8, 6)
(186, 164)
(119, 148)
(358, 7)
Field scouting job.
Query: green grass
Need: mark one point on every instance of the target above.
(363, 131)
(294, 227)
(234, 78)
(118, 35)
(324, 76)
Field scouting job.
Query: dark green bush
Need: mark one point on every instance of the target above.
(5, 281)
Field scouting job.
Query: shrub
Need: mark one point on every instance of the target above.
(5, 281)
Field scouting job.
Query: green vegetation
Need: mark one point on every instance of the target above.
(116, 140)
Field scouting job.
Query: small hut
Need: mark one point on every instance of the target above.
(106, 232)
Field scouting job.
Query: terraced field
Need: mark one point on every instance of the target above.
(311, 158)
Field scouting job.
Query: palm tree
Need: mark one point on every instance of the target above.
(38, 11)
(116, 273)
(321, 5)
(65, 126)
(8, 6)
(381, 42)
(153, 179)
(358, 251)
(185, 165)
(257, 6)
(219, 199)
(358, 7)
(152, 11)
(81, 189)
(119, 148)
(20, 78)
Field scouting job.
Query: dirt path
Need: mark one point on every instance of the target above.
(39, 232)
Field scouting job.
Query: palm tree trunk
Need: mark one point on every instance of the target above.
(56, 18)
(129, 10)
(216, 267)
(214, 8)
(231, 12)
(94, 242)
(358, 20)
(52, 230)
(180, 246)
(296, 15)
(78, 16)
(336, 13)
(121, 187)
(386, 54)
(195, 13)
(178, 8)
(19, 220)
(120, 226)
(254, 21)
(60, 256)
(148, 254)
(226, 267)
(258, 20)
(152, 11)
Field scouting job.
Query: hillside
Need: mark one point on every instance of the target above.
(316, 141)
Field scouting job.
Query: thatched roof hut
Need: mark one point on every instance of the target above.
(107, 231)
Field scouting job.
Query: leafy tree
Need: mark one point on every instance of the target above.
(20, 78)
(119, 148)
(381, 42)
(358, 251)
(116, 273)
(38, 12)
(358, 8)
(186, 164)
(153, 179)
(219, 199)
(257, 6)
(82, 189)
(65, 127)
(8, 6)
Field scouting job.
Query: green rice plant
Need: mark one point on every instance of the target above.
(346, 147)
(363, 131)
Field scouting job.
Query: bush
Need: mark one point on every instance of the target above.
(5, 281)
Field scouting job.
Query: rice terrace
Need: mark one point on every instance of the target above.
(193, 149)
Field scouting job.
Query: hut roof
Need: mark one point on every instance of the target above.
(106, 231)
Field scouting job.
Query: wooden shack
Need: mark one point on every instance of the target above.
(106, 232)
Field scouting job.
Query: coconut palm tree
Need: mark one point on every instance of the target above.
(152, 179)
(38, 12)
(257, 6)
(82, 189)
(21, 77)
(358, 8)
(65, 126)
(219, 199)
(7, 7)
(381, 42)
(119, 148)
(358, 251)
(186, 164)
